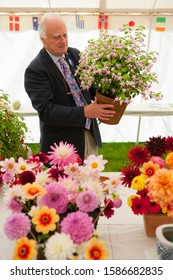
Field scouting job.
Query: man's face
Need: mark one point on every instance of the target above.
(56, 41)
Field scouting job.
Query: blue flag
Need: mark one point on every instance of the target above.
(35, 23)
(79, 22)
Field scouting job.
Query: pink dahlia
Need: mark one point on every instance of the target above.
(17, 226)
(159, 161)
(78, 225)
(87, 201)
(56, 197)
(63, 155)
(14, 205)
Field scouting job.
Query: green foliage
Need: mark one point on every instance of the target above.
(12, 130)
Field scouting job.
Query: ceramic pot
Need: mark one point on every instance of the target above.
(164, 235)
(118, 107)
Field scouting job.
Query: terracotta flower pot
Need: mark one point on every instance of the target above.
(118, 107)
(152, 221)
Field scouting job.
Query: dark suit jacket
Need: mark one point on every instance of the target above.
(60, 119)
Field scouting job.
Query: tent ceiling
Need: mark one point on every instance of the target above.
(86, 6)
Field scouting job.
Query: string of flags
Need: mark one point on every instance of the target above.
(19, 23)
(160, 24)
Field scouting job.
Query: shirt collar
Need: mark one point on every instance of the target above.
(54, 57)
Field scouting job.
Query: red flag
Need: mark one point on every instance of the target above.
(14, 23)
(131, 23)
(102, 22)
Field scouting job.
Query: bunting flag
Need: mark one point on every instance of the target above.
(79, 22)
(131, 23)
(35, 23)
(103, 22)
(160, 24)
(14, 23)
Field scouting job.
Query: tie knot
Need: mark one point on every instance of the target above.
(61, 59)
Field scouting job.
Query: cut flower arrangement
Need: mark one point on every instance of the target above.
(150, 174)
(55, 210)
(119, 66)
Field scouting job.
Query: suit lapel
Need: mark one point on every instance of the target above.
(54, 69)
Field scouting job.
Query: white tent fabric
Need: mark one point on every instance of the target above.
(97, 6)
(18, 48)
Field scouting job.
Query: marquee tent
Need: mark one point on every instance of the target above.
(87, 6)
(19, 20)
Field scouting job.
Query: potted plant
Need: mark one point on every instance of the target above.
(150, 174)
(119, 66)
(12, 130)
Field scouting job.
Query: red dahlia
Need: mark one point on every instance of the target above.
(138, 155)
(156, 146)
(128, 173)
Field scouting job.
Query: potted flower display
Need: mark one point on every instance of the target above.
(150, 174)
(12, 130)
(55, 210)
(119, 66)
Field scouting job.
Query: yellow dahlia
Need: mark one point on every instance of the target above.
(33, 190)
(130, 198)
(95, 250)
(45, 219)
(139, 183)
(25, 249)
(149, 168)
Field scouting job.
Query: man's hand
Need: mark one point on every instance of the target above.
(101, 111)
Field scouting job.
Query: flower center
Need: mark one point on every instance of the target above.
(45, 219)
(24, 251)
(22, 167)
(33, 191)
(86, 198)
(95, 253)
(10, 165)
(94, 165)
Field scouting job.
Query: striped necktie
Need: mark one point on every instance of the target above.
(74, 88)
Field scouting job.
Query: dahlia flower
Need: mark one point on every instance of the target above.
(60, 247)
(17, 225)
(56, 197)
(78, 225)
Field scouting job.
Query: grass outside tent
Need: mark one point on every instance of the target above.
(115, 153)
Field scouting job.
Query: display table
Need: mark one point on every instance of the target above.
(124, 233)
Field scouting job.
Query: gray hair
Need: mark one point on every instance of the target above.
(42, 23)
